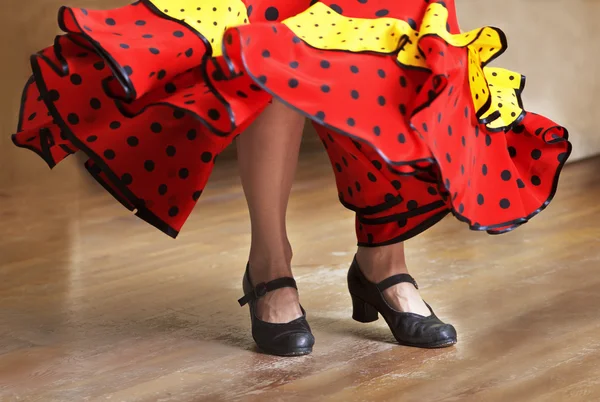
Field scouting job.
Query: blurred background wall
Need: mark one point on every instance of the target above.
(553, 42)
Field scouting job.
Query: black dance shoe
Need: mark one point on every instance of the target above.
(409, 329)
(290, 339)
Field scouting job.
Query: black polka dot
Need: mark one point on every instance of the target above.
(536, 154)
(191, 135)
(402, 109)
(382, 13)
(461, 208)
(354, 69)
(173, 212)
(170, 88)
(381, 73)
(354, 94)
(397, 185)
(154, 50)
(480, 199)
(149, 165)
(32, 116)
(133, 141)
(450, 130)
(73, 118)
(114, 125)
(127, 179)
(53, 95)
(381, 101)
(171, 151)
(372, 177)
(401, 138)
(214, 114)
(110, 21)
(162, 189)
(351, 122)
(76, 79)
(293, 83)
(95, 103)
(161, 74)
(484, 170)
(535, 180)
(562, 157)
(377, 130)
(178, 34)
(506, 175)
(512, 152)
(109, 154)
(403, 81)
(488, 140)
(336, 8)
(266, 53)
(91, 138)
(412, 205)
(184, 173)
(189, 52)
(520, 183)
(325, 64)
(262, 79)
(294, 64)
(320, 115)
(206, 157)
(448, 158)
(124, 46)
(271, 14)
(140, 23)
(325, 88)
(432, 191)
(196, 195)
(156, 127)
(504, 203)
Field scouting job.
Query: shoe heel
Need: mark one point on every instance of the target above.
(363, 312)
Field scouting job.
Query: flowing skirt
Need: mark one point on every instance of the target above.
(415, 122)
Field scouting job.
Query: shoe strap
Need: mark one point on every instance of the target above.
(396, 279)
(263, 288)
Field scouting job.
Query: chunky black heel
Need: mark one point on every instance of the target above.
(409, 329)
(363, 312)
(290, 339)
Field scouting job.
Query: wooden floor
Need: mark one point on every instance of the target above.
(97, 306)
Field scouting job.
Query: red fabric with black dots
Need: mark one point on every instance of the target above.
(141, 95)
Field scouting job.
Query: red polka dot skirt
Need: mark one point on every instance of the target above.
(416, 123)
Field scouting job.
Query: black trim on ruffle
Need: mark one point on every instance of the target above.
(409, 234)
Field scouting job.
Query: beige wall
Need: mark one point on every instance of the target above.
(548, 40)
(556, 44)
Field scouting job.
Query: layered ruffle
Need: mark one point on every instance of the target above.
(415, 122)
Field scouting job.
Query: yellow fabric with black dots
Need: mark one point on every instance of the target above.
(211, 18)
(504, 86)
(323, 28)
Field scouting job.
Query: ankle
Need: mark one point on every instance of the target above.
(379, 263)
(266, 267)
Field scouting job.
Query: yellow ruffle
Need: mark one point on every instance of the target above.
(210, 18)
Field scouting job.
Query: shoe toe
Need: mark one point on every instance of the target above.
(446, 333)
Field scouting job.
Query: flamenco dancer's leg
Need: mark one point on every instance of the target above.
(390, 207)
(268, 156)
